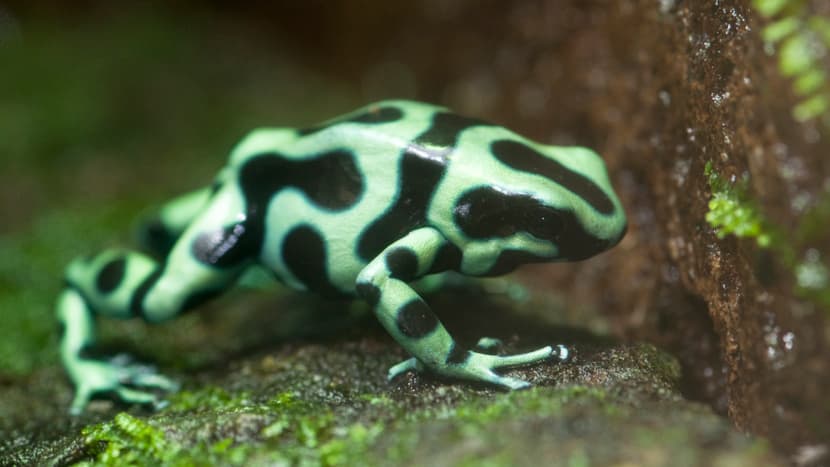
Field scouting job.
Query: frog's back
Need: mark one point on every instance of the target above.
(331, 197)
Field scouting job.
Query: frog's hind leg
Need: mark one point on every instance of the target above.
(207, 257)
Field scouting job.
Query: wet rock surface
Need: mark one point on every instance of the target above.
(324, 399)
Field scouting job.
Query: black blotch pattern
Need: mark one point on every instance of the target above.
(419, 177)
(373, 116)
(415, 319)
(137, 301)
(304, 252)
(111, 275)
(370, 292)
(331, 180)
(421, 168)
(448, 258)
(521, 157)
(457, 355)
(226, 247)
(402, 263)
(485, 212)
(446, 128)
(155, 237)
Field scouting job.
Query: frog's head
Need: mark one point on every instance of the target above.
(541, 203)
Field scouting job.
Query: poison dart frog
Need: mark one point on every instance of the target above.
(361, 205)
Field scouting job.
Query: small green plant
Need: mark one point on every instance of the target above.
(732, 212)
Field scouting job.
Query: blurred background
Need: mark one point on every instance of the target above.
(109, 109)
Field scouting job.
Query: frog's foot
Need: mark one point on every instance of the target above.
(131, 382)
(481, 367)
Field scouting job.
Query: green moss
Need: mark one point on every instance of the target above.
(303, 433)
(308, 435)
(299, 431)
(537, 401)
(128, 440)
(206, 398)
(732, 212)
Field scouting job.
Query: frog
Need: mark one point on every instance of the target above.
(362, 206)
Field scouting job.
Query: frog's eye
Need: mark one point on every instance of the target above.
(544, 223)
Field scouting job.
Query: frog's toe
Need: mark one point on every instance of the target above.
(131, 382)
(411, 364)
(503, 361)
(481, 367)
(145, 376)
(483, 370)
(135, 396)
(127, 394)
(155, 381)
(508, 382)
(557, 352)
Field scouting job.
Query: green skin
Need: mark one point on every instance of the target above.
(415, 159)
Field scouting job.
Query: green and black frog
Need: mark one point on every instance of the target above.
(361, 205)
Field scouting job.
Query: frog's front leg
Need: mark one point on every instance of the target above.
(208, 256)
(383, 283)
(92, 375)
